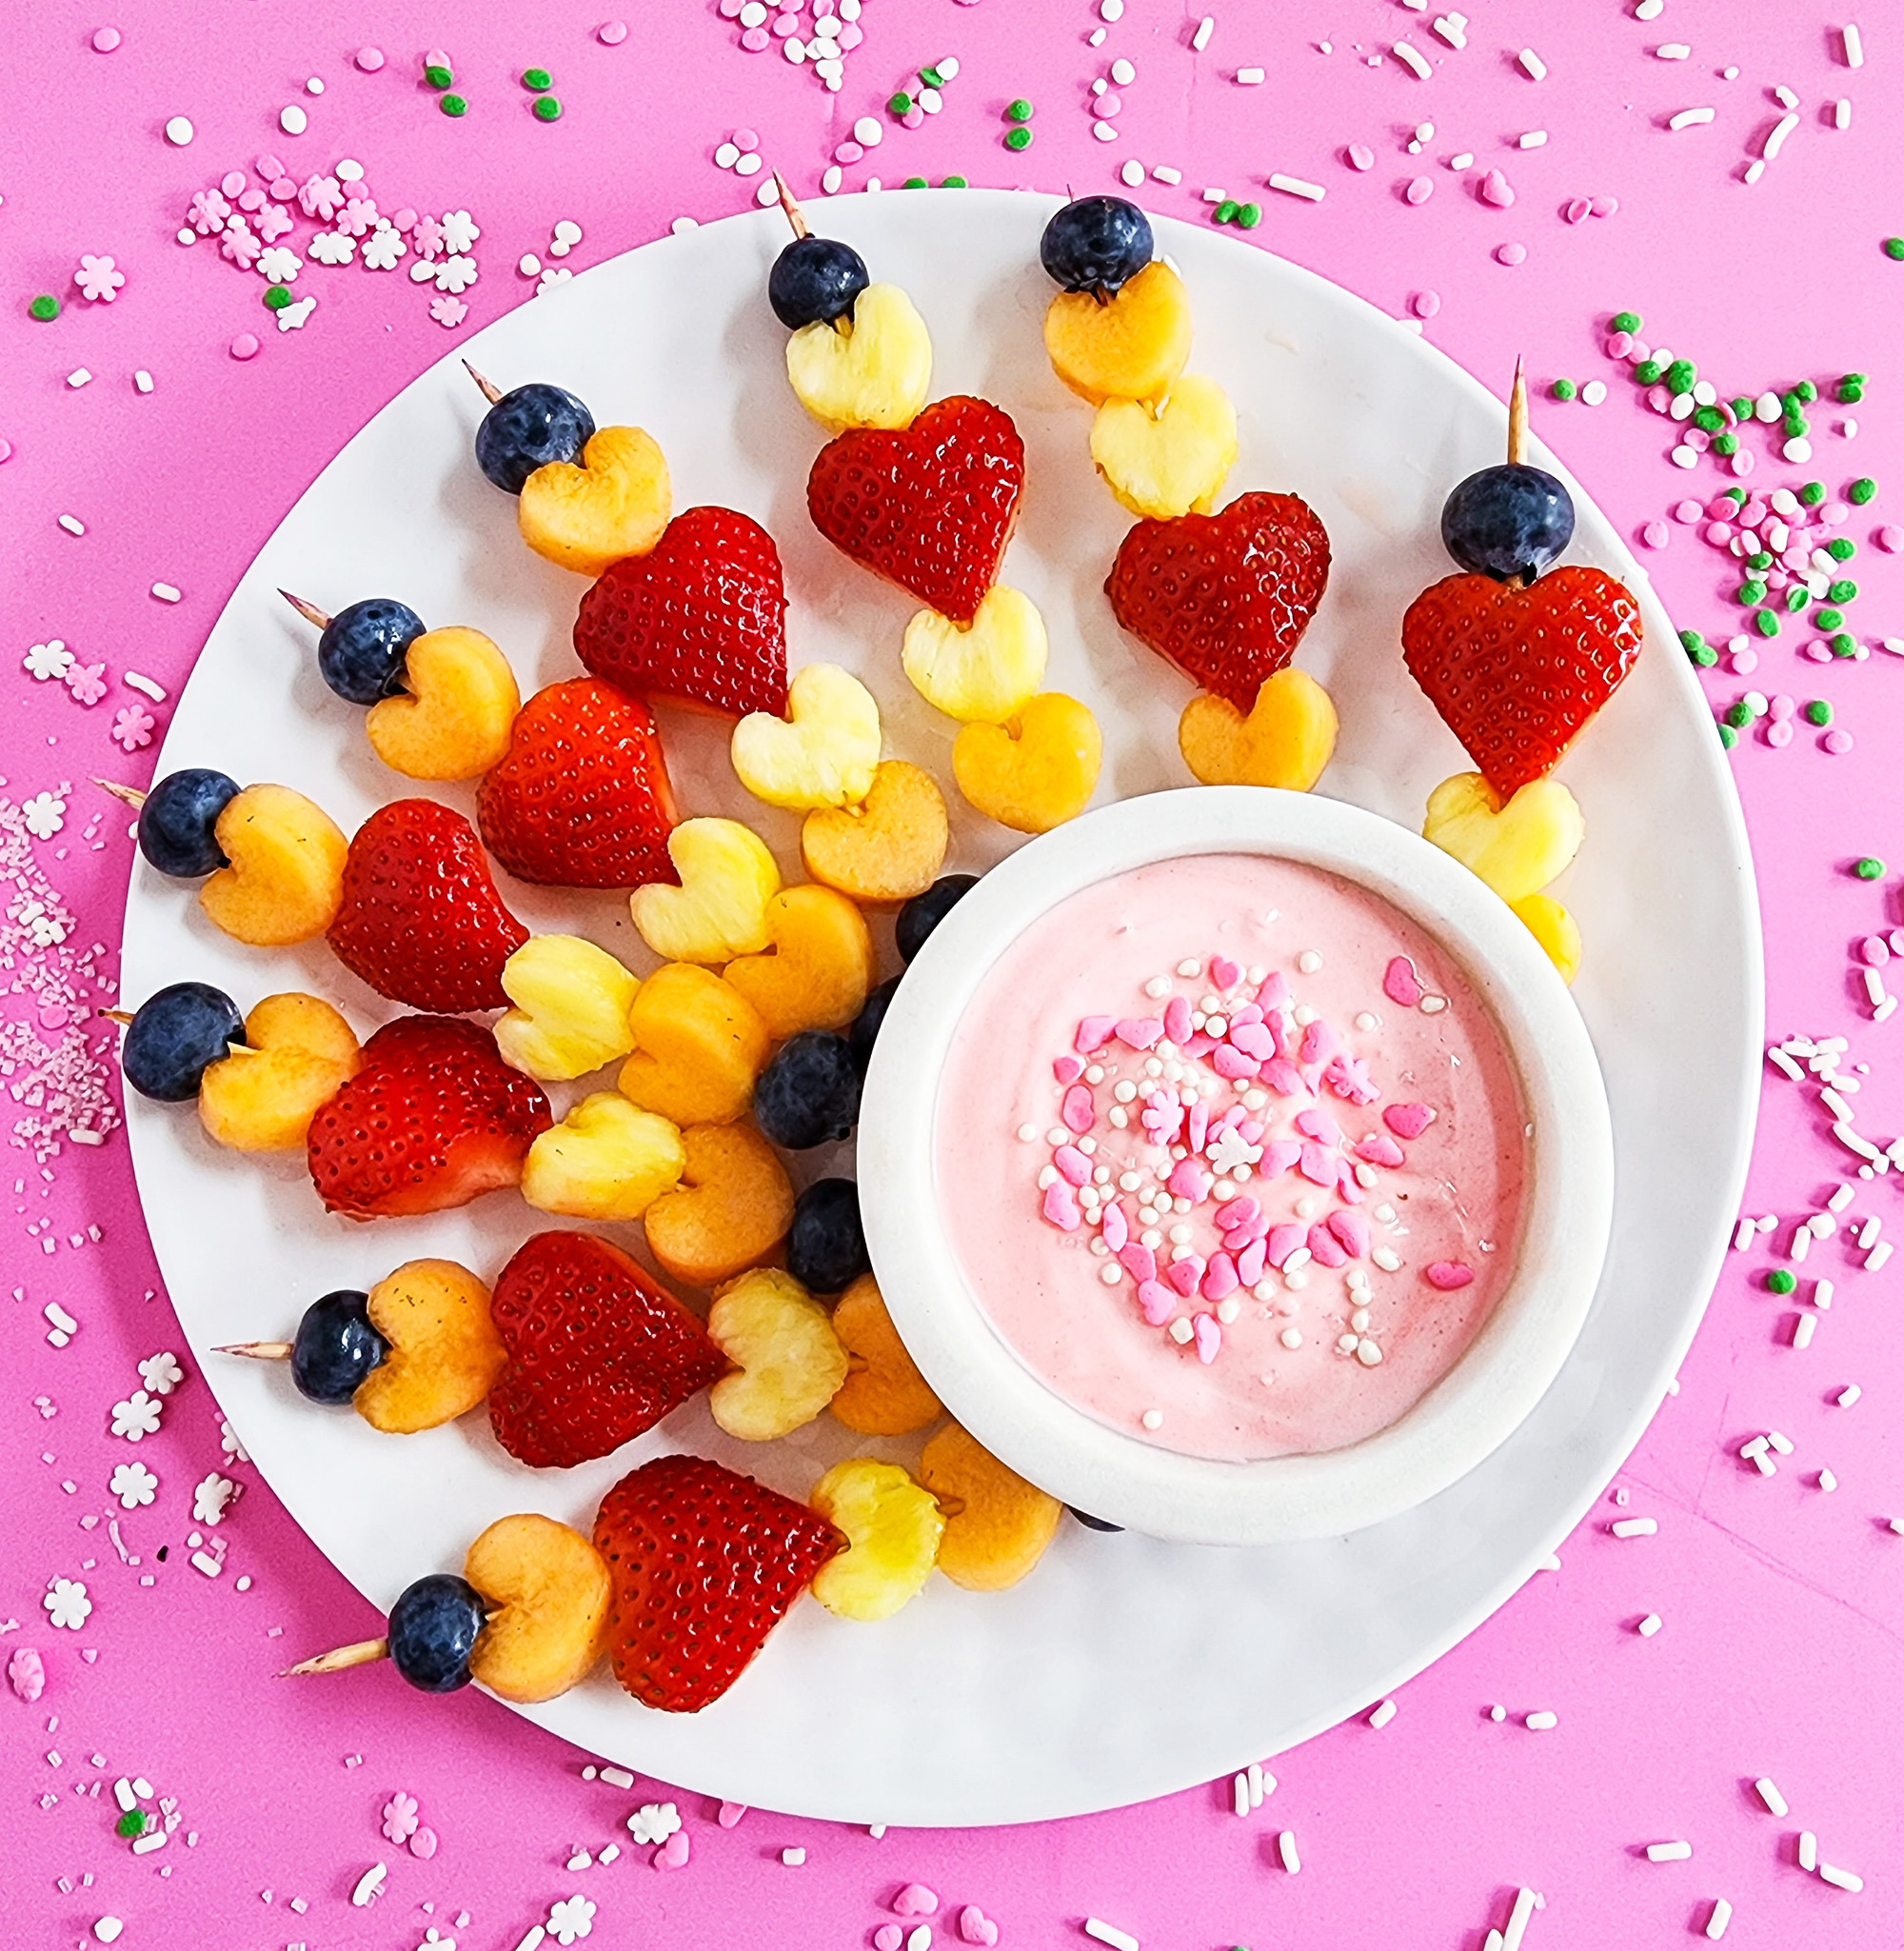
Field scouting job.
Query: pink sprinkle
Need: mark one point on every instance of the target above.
(976, 1927)
(1319, 1126)
(1189, 1181)
(1345, 1182)
(1782, 706)
(913, 118)
(673, 1854)
(284, 189)
(1232, 1063)
(1282, 1075)
(244, 347)
(1378, 1148)
(1511, 255)
(1408, 1120)
(850, 35)
(1139, 1032)
(1420, 191)
(106, 40)
(6, 450)
(1890, 538)
(1075, 1166)
(1348, 1077)
(1659, 397)
(1358, 156)
(1278, 1157)
(731, 1812)
(1177, 1019)
(1836, 743)
(1093, 1033)
(1618, 345)
(1718, 534)
(1578, 211)
(1223, 972)
(1875, 951)
(1239, 1213)
(611, 33)
(1324, 1248)
(1138, 1259)
(784, 25)
(1198, 1125)
(753, 41)
(1496, 189)
(1778, 734)
(1399, 983)
(1425, 304)
(1252, 1040)
(1744, 661)
(423, 1844)
(1209, 1338)
(1655, 534)
(52, 1017)
(1742, 462)
(1158, 1302)
(849, 151)
(1638, 352)
(1107, 106)
(369, 59)
(27, 1674)
(1833, 514)
(1448, 1275)
(1275, 990)
(1249, 1262)
(1067, 1069)
(915, 1901)
(746, 141)
(1220, 1277)
(1318, 1165)
(1078, 1112)
(1284, 1241)
(1061, 1206)
(400, 1816)
(1186, 1273)
(1753, 513)
(1352, 1229)
(1605, 206)
(1320, 1042)
(1117, 1228)
(888, 1937)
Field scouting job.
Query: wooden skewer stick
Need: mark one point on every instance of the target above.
(130, 794)
(790, 204)
(1516, 417)
(122, 1016)
(309, 611)
(360, 1654)
(258, 1351)
(491, 391)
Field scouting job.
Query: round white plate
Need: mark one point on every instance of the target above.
(1122, 1668)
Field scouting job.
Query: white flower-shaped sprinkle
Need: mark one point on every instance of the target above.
(280, 264)
(44, 814)
(331, 246)
(234, 1450)
(456, 274)
(291, 317)
(136, 1416)
(133, 1484)
(460, 231)
(211, 1498)
(552, 277)
(383, 247)
(160, 1373)
(573, 1918)
(66, 1604)
(48, 660)
(1230, 1149)
(654, 1822)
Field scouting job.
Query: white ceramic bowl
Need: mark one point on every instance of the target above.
(1520, 1347)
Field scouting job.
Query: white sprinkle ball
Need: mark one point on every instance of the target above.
(529, 263)
(1111, 9)
(314, 86)
(178, 131)
(1153, 1418)
(292, 119)
(1132, 174)
(1121, 72)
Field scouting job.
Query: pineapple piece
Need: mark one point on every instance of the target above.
(893, 1528)
(698, 1047)
(873, 373)
(819, 970)
(821, 753)
(985, 671)
(1036, 772)
(454, 720)
(997, 1525)
(286, 881)
(606, 1161)
(1129, 347)
(728, 877)
(1172, 461)
(883, 1393)
(615, 504)
(787, 1361)
(1555, 929)
(445, 1351)
(551, 1596)
(572, 1002)
(1517, 848)
(731, 1209)
(299, 1054)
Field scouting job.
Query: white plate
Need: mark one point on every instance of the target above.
(1123, 1668)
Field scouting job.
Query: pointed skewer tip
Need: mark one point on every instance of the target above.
(790, 204)
(490, 390)
(309, 611)
(130, 794)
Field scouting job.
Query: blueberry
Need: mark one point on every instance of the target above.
(810, 1092)
(527, 430)
(176, 821)
(924, 912)
(826, 1245)
(864, 1028)
(361, 653)
(175, 1033)
(814, 281)
(1090, 1522)
(1507, 521)
(432, 1631)
(336, 1346)
(1096, 244)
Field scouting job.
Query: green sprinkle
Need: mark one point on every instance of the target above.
(1728, 737)
(454, 105)
(1739, 716)
(930, 78)
(1249, 216)
(1751, 590)
(43, 307)
(1737, 496)
(1741, 410)
(132, 1824)
(1681, 374)
(1817, 712)
(1759, 561)
(538, 79)
(1868, 868)
(953, 183)
(1861, 489)
(1841, 549)
(547, 108)
(899, 104)
(1725, 444)
(1843, 590)
(1828, 618)
(1850, 391)
(1812, 494)
(1894, 247)
(1018, 138)
(438, 78)
(1709, 420)
(1647, 372)
(1792, 399)
(1781, 1279)
(1796, 427)
(1703, 655)
(1806, 391)
(1019, 111)
(277, 297)
(1690, 640)
(1852, 379)
(1561, 390)
(1843, 644)
(1226, 210)
(1797, 597)
(915, 183)
(1765, 622)
(1627, 321)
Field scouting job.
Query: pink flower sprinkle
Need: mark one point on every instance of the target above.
(272, 224)
(1209, 1338)
(1408, 1120)
(1080, 1113)
(400, 1816)
(27, 1674)
(1094, 1032)
(132, 728)
(358, 217)
(449, 311)
(209, 213)
(915, 1900)
(87, 682)
(322, 197)
(1157, 1301)
(1061, 1206)
(1448, 1275)
(1399, 983)
(239, 243)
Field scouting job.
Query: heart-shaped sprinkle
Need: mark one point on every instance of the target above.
(1320, 1042)
(1220, 1277)
(915, 1901)
(1318, 1165)
(1117, 1228)
(1324, 1248)
(1080, 1111)
(1061, 1206)
(1284, 1241)
(1072, 1163)
(1352, 1229)
(1399, 983)
(1189, 1181)
(1273, 992)
(1284, 1078)
(1237, 1214)
(1252, 1040)
(1448, 1275)
(1231, 1063)
(1139, 1032)
(1184, 1274)
(1278, 1157)
(1408, 1120)
(976, 1927)
(1250, 1261)
(1209, 1338)
(1093, 1034)
(1223, 972)
(1157, 1301)
(673, 1854)
(1319, 1126)
(1378, 1148)
(1067, 1069)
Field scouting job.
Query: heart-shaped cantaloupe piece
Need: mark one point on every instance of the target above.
(1035, 772)
(818, 967)
(1286, 739)
(887, 849)
(615, 504)
(454, 719)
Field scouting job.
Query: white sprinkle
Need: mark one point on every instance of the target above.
(1382, 1714)
(1132, 174)
(1411, 59)
(1542, 1722)
(72, 524)
(1449, 26)
(1285, 1848)
(1152, 1419)
(1649, 1626)
(1767, 1791)
(1649, 10)
(1095, 1926)
(1743, 1236)
(1634, 1528)
(1877, 1256)
(1867, 1234)
(1240, 1795)
(143, 380)
(1783, 1445)
(292, 119)
(1822, 1293)
(1840, 1199)
(1764, 1466)
(1827, 1482)
(1852, 1141)
(1841, 113)
(1803, 1327)
(1190, 967)
(1531, 65)
(1808, 1850)
(204, 1561)
(78, 377)
(1525, 1903)
(1205, 27)
(1690, 118)
(121, 1794)
(1668, 1852)
(1534, 139)
(1849, 1395)
(106, 1929)
(1775, 140)
(1295, 186)
(618, 1778)
(1853, 45)
(1497, 1713)
(1165, 173)
(146, 1844)
(1784, 97)
(532, 1942)
(1844, 1879)
(1721, 1917)
(793, 1858)
(1260, 1784)
(1801, 1243)
(1249, 77)
(178, 131)
(1671, 51)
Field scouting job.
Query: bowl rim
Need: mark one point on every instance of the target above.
(1522, 1346)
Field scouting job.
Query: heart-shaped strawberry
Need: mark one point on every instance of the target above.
(931, 506)
(583, 798)
(701, 618)
(599, 1351)
(420, 919)
(434, 1118)
(1517, 673)
(1225, 597)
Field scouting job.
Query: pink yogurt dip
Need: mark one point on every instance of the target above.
(1343, 1197)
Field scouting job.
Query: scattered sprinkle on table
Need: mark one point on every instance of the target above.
(1095, 1926)
(1543, 1721)
(1668, 1852)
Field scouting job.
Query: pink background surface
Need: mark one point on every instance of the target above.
(1780, 1651)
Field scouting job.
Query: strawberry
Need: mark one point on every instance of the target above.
(932, 505)
(1224, 597)
(597, 1351)
(706, 1563)
(583, 799)
(701, 618)
(434, 1118)
(420, 919)
(1517, 673)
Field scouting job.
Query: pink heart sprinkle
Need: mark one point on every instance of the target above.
(1117, 1228)
(1275, 990)
(888, 1938)
(1139, 1032)
(1067, 1069)
(1093, 1033)
(1073, 1164)
(1061, 1206)
(1324, 1248)
(1318, 1165)
(1232, 1063)
(1346, 1183)
(1319, 1126)
(1251, 1130)
(1177, 1019)
(1448, 1275)
(1186, 1273)
(1378, 1148)
(1209, 1338)
(1199, 1045)
(1234, 1217)
(1252, 1040)
(1155, 1300)
(1220, 1277)
(915, 1901)
(1320, 1042)
(976, 1927)
(1250, 1261)
(1138, 1259)
(1352, 1229)
(1199, 1125)
(1080, 1110)
(423, 1844)
(1399, 983)
(1223, 972)
(1408, 1120)
(1250, 1012)
(1284, 1078)
(730, 1813)
(1284, 1241)
(674, 1852)
(1278, 1157)
(1189, 1181)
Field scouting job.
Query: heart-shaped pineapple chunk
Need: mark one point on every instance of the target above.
(887, 849)
(1130, 347)
(454, 719)
(549, 1596)
(615, 504)
(983, 672)
(1168, 460)
(1516, 846)
(445, 1351)
(816, 974)
(698, 1047)
(607, 1160)
(824, 751)
(1555, 929)
(1286, 739)
(298, 1052)
(893, 1527)
(871, 373)
(719, 910)
(1035, 772)
(571, 1009)
(787, 1362)
(284, 882)
(731, 1209)
(883, 1393)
